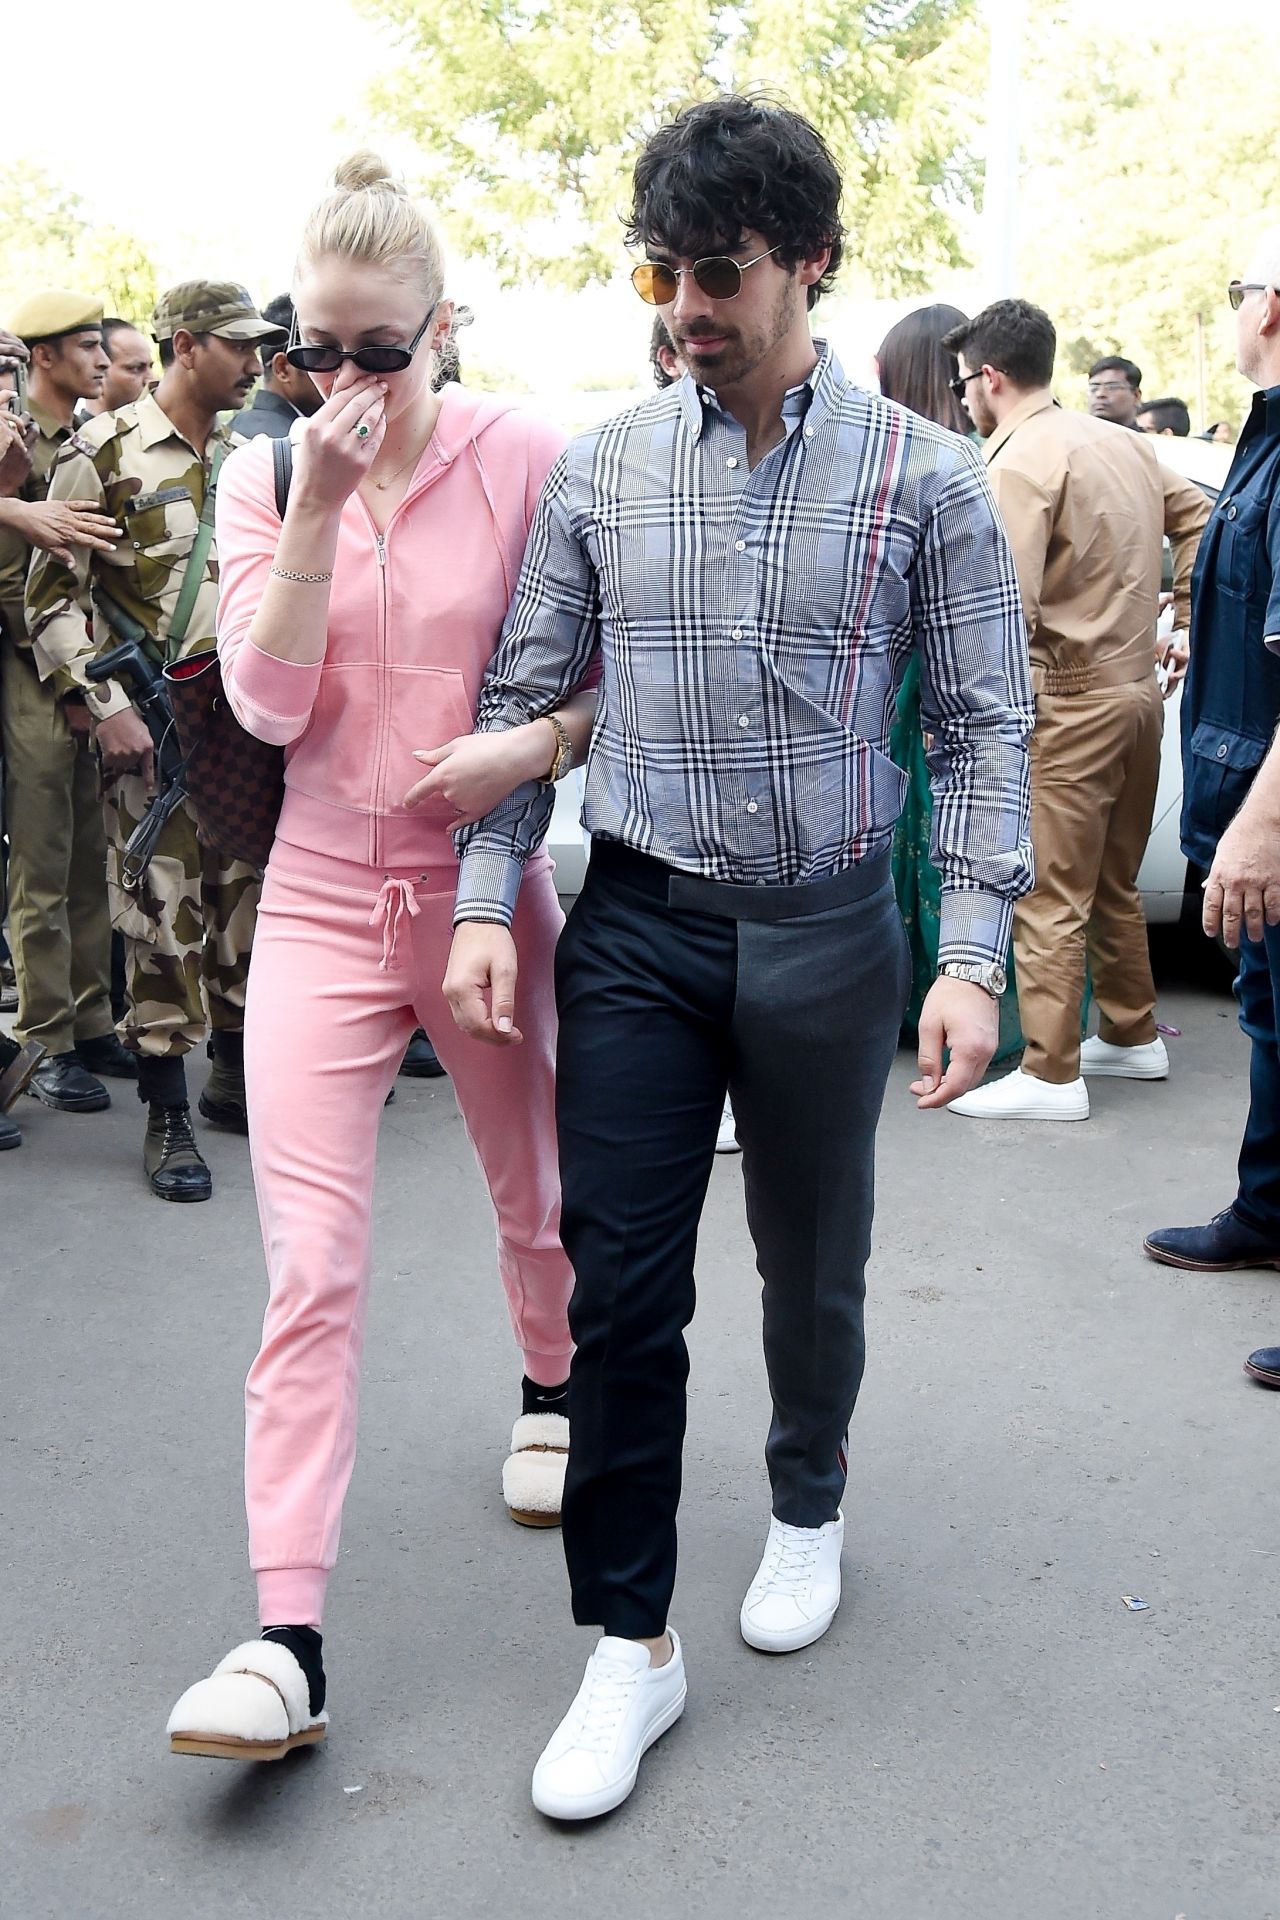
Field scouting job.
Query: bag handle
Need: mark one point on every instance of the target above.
(282, 465)
(197, 559)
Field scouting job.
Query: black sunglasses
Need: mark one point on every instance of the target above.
(1238, 289)
(961, 381)
(369, 359)
(719, 277)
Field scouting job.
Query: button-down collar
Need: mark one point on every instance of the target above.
(815, 397)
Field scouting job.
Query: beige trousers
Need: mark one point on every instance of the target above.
(1095, 762)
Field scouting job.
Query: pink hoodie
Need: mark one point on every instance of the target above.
(414, 619)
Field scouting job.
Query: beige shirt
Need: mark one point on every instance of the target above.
(1085, 503)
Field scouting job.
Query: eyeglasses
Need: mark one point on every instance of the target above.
(1238, 289)
(311, 359)
(719, 277)
(961, 381)
(1110, 386)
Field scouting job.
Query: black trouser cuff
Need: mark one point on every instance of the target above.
(162, 1081)
(228, 1047)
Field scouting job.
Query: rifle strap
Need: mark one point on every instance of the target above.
(197, 560)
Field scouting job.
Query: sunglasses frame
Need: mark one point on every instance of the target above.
(961, 381)
(335, 357)
(1237, 289)
(708, 260)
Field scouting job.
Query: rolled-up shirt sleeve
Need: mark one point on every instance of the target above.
(271, 698)
(549, 647)
(975, 699)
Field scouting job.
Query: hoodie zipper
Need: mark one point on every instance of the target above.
(384, 701)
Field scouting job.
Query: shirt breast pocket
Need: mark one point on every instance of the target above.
(161, 529)
(1239, 570)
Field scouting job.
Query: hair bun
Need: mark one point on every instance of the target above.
(365, 170)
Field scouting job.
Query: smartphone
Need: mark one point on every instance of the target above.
(20, 386)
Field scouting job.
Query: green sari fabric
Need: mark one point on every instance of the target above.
(916, 880)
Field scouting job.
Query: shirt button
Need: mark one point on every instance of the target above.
(737, 633)
(739, 546)
(1222, 751)
(744, 720)
(808, 433)
(752, 807)
(731, 461)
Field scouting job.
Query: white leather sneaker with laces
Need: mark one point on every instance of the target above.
(590, 1763)
(793, 1598)
(1020, 1096)
(1149, 1062)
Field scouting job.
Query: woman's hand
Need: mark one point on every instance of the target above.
(332, 458)
(477, 770)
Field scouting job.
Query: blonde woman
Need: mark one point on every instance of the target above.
(356, 633)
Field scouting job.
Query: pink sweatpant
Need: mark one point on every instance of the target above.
(346, 962)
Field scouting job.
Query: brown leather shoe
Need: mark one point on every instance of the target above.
(17, 1064)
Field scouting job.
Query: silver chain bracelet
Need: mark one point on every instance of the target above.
(303, 579)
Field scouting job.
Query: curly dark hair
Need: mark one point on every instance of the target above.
(734, 165)
(1012, 336)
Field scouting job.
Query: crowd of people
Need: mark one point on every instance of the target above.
(869, 692)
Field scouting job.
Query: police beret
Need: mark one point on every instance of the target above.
(45, 316)
(211, 306)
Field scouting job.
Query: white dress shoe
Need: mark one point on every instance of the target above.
(1148, 1062)
(793, 1598)
(1020, 1096)
(590, 1763)
(727, 1139)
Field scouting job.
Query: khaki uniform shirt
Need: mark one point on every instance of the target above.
(138, 468)
(15, 552)
(1085, 503)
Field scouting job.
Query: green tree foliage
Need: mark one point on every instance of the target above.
(1149, 171)
(527, 116)
(48, 239)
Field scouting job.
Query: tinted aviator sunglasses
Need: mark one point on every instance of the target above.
(719, 277)
(312, 359)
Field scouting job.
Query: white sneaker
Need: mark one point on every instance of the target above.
(793, 1598)
(590, 1763)
(1020, 1096)
(1148, 1062)
(727, 1139)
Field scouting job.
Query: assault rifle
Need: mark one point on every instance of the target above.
(132, 664)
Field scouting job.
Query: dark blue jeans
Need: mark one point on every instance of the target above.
(1258, 992)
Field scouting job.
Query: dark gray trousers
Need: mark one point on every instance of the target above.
(670, 989)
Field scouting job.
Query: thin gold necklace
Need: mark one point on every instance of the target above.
(414, 457)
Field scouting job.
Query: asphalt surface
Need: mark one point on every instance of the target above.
(1049, 1422)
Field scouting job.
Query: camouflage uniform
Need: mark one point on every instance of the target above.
(189, 926)
(58, 920)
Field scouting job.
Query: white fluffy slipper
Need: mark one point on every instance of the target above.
(533, 1476)
(255, 1705)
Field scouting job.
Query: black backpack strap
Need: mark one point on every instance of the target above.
(282, 462)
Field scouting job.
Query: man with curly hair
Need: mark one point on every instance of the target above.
(753, 554)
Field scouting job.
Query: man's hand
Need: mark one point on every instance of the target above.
(966, 1019)
(1243, 888)
(1174, 655)
(480, 983)
(125, 746)
(60, 525)
(15, 455)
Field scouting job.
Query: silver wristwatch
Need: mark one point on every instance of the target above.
(991, 978)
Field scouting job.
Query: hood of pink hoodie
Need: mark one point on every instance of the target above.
(414, 617)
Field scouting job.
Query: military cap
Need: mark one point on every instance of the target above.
(211, 306)
(47, 316)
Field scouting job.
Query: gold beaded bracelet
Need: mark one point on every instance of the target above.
(303, 579)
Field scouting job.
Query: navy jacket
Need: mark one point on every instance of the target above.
(270, 413)
(1231, 702)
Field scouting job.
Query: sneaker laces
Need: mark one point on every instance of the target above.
(792, 1555)
(611, 1687)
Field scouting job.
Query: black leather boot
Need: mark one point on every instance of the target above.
(62, 1083)
(170, 1155)
(10, 1133)
(106, 1055)
(222, 1103)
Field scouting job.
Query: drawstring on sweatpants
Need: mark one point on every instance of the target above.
(395, 899)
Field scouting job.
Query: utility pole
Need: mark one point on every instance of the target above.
(1006, 20)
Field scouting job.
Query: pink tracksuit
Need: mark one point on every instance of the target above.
(352, 940)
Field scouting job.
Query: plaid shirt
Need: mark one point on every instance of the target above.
(753, 626)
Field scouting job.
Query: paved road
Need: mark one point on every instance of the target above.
(1049, 1422)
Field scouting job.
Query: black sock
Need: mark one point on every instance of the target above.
(305, 1644)
(536, 1399)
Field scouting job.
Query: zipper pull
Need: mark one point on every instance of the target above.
(382, 551)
